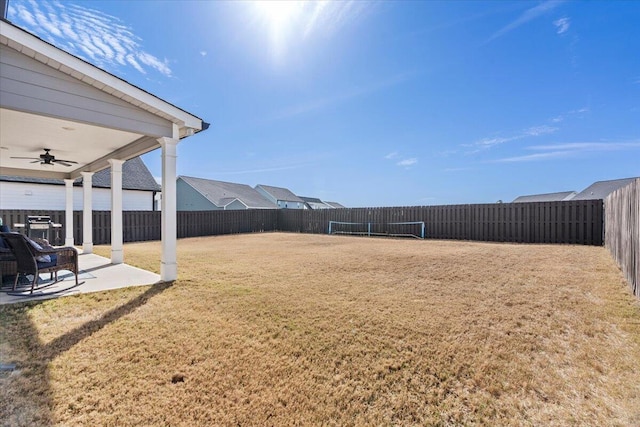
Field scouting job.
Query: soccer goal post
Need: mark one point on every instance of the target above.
(391, 229)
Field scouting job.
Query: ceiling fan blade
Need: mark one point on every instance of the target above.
(62, 162)
(66, 161)
(36, 161)
(27, 158)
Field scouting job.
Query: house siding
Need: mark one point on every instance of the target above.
(31, 196)
(236, 205)
(188, 199)
(31, 86)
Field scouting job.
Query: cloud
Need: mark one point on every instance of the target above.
(562, 25)
(407, 162)
(577, 113)
(534, 157)
(487, 143)
(525, 17)
(589, 146)
(570, 149)
(102, 39)
(203, 53)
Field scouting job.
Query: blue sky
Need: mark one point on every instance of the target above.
(378, 103)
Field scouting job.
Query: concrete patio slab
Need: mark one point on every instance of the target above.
(96, 274)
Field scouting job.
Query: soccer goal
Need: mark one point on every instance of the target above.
(391, 229)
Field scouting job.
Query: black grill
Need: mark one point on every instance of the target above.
(38, 226)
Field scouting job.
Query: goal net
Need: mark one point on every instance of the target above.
(391, 229)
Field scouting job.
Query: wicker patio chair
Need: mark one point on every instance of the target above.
(27, 256)
(8, 263)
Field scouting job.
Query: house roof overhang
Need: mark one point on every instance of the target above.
(80, 133)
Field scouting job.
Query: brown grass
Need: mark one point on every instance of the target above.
(288, 329)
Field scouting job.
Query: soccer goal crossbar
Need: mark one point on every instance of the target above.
(392, 229)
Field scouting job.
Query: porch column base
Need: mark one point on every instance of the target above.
(87, 248)
(168, 271)
(117, 256)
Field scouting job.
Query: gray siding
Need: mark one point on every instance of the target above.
(235, 206)
(24, 80)
(188, 199)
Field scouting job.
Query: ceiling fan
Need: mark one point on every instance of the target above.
(48, 159)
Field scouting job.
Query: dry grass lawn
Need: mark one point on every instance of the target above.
(290, 329)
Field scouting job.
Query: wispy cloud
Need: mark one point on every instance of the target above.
(487, 143)
(102, 39)
(589, 146)
(534, 157)
(579, 113)
(571, 149)
(562, 25)
(402, 161)
(407, 162)
(526, 16)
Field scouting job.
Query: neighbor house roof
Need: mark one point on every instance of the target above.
(601, 189)
(135, 176)
(335, 205)
(280, 193)
(222, 193)
(547, 197)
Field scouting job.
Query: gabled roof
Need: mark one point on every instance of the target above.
(311, 199)
(222, 193)
(335, 205)
(135, 176)
(547, 197)
(601, 189)
(280, 193)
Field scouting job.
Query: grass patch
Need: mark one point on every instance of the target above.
(289, 329)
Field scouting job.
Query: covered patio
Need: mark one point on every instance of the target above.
(96, 274)
(65, 118)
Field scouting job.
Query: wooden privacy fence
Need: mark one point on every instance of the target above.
(622, 219)
(146, 225)
(579, 222)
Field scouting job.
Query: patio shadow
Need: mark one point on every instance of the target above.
(25, 394)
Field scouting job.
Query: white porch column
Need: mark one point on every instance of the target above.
(87, 213)
(68, 213)
(169, 266)
(117, 254)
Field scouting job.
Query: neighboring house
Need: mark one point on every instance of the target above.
(28, 193)
(601, 189)
(315, 203)
(548, 197)
(281, 197)
(198, 194)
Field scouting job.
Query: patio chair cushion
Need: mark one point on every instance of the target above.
(53, 260)
(41, 258)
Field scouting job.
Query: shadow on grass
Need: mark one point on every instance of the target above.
(25, 397)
